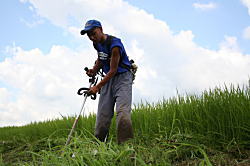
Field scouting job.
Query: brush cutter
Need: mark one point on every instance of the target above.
(92, 80)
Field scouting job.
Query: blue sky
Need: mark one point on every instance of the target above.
(189, 45)
(209, 27)
(15, 17)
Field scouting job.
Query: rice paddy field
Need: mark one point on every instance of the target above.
(212, 128)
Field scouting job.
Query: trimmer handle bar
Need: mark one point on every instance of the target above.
(92, 80)
(84, 91)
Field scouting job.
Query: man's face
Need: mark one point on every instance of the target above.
(95, 34)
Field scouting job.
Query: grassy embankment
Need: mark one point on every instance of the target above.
(213, 128)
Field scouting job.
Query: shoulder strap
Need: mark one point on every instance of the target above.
(109, 42)
(95, 46)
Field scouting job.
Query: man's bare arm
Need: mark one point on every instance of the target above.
(114, 62)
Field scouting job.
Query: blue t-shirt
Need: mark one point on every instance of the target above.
(104, 54)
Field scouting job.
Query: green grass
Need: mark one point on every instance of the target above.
(207, 129)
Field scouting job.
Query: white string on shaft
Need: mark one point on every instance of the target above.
(76, 120)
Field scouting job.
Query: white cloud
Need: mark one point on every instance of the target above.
(47, 83)
(4, 95)
(205, 6)
(23, 1)
(36, 20)
(247, 4)
(246, 33)
(230, 44)
(31, 24)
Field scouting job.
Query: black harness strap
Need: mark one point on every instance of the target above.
(109, 42)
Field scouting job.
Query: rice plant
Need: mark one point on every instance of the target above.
(194, 128)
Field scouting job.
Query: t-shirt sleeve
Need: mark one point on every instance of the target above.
(117, 43)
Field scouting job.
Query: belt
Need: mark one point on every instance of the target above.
(120, 73)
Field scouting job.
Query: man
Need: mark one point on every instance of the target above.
(116, 86)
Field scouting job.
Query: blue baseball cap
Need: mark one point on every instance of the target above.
(90, 25)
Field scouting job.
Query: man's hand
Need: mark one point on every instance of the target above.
(90, 73)
(93, 90)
